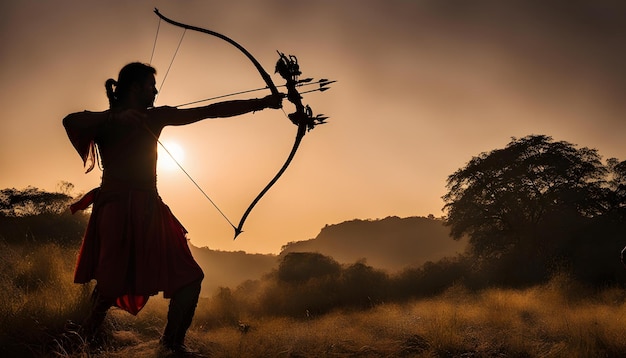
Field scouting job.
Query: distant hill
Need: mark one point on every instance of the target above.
(392, 243)
(229, 269)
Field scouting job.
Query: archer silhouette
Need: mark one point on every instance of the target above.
(134, 247)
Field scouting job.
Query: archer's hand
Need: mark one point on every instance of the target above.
(273, 101)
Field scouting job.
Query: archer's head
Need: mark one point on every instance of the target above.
(135, 87)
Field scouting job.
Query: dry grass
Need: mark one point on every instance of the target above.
(558, 319)
(536, 322)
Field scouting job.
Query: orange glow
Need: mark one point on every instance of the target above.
(421, 89)
(171, 155)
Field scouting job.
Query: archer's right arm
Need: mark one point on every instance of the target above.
(83, 127)
(85, 121)
(90, 122)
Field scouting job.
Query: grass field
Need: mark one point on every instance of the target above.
(556, 319)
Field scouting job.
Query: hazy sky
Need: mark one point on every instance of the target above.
(422, 87)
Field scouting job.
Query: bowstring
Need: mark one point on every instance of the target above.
(190, 177)
(156, 36)
(169, 67)
(161, 143)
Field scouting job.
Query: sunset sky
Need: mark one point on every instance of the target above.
(422, 87)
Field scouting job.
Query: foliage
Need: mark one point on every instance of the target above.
(535, 205)
(32, 214)
(616, 188)
(308, 284)
(432, 278)
(512, 191)
(32, 201)
(300, 267)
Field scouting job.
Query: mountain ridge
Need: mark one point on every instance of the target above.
(390, 244)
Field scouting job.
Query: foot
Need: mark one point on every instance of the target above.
(178, 350)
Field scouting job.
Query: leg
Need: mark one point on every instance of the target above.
(181, 310)
(99, 307)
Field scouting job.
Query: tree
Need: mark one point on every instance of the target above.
(299, 267)
(617, 188)
(32, 214)
(525, 199)
(32, 201)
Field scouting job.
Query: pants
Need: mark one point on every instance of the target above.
(179, 316)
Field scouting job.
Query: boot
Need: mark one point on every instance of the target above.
(179, 316)
(99, 307)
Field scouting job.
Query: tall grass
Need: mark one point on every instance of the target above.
(544, 321)
(38, 297)
(558, 319)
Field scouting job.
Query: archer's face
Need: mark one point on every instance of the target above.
(148, 92)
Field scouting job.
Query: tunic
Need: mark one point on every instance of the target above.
(134, 247)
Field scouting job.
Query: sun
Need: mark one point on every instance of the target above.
(169, 154)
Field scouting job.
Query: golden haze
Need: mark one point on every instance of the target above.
(422, 88)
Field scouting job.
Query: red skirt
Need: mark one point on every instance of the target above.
(134, 247)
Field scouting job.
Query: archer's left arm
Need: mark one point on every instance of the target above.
(174, 116)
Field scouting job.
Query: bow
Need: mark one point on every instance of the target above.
(288, 68)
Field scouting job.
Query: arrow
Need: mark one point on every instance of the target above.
(301, 83)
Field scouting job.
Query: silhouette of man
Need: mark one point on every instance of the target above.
(134, 247)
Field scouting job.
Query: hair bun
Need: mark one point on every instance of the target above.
(108, 85)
